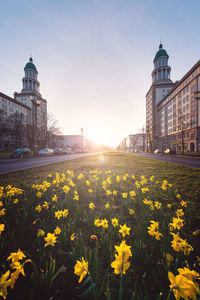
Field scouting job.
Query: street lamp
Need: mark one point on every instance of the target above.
(197, 97)
(81, 139)
(36, 103)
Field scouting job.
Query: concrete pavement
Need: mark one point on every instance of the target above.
(8, 165)
(186, 161)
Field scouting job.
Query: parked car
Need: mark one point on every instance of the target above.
(58, 151)
(67, 151)
(21, 152)
(78, 150)
(170, 151)
(46, 152)
(85, 150)
(158, 151)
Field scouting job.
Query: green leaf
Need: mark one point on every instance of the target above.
(85, 281)
(88, 290)
(55, 275)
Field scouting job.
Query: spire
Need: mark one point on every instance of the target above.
(30, 59)
(161, 68)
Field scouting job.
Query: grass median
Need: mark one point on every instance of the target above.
(186, 179)
(109, 226)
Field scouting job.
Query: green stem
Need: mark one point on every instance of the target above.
(93, 289)
(169, 294)
(121, 288)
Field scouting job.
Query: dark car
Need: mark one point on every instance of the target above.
(67, 151)
(58, 151)
(170, 151)
(21, 152)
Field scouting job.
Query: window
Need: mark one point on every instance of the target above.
(194, 107)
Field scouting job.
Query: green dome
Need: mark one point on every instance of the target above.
(161, 52)
(30, 65)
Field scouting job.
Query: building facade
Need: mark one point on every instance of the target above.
(14, 117)
(179, 114)
(30, 96)
(67, 141)
(161, 85)
(23, 120)
(136, 142)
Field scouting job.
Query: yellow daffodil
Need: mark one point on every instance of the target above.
(50, 239)
(2, 228)
(57, 231)
(97, 222)
(54, 198)
(176, 224)
(153, 230)
(2, 212)
(121, 264)
(94, 237)
(157, 205)
(132, 193)
(81, 269)
(124, 230)
(104, 223)
(4, 284)
(91, 205)
(107, 205)
(124, 195)
(72, 236)
(131, 211)
(115, 222)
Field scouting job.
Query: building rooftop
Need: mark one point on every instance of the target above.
(161, 52)
(30, 65)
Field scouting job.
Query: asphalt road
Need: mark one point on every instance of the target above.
(186, 161)
(8, 165)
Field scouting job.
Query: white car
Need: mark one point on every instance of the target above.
(46, 152)
(158, 151)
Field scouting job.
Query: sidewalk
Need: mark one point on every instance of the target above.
(191, 154)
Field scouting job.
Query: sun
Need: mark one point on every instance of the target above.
(98, 136)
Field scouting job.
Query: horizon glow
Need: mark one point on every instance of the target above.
(95, 58)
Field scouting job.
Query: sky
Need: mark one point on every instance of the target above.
(95, 57)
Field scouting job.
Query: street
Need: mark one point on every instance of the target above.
(8, 165)
(186, 161)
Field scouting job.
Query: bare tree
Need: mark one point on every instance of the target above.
(53, 127)
(148, 139)
(142, 132)
(16, 129)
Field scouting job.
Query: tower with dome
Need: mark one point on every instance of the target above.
(30, 95)
(160, 87)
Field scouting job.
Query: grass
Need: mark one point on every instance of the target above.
(186, 179)
(103, 180)
(5, 154)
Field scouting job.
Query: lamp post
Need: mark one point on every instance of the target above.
(36, 103)
(197, 97)
(81, 139)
